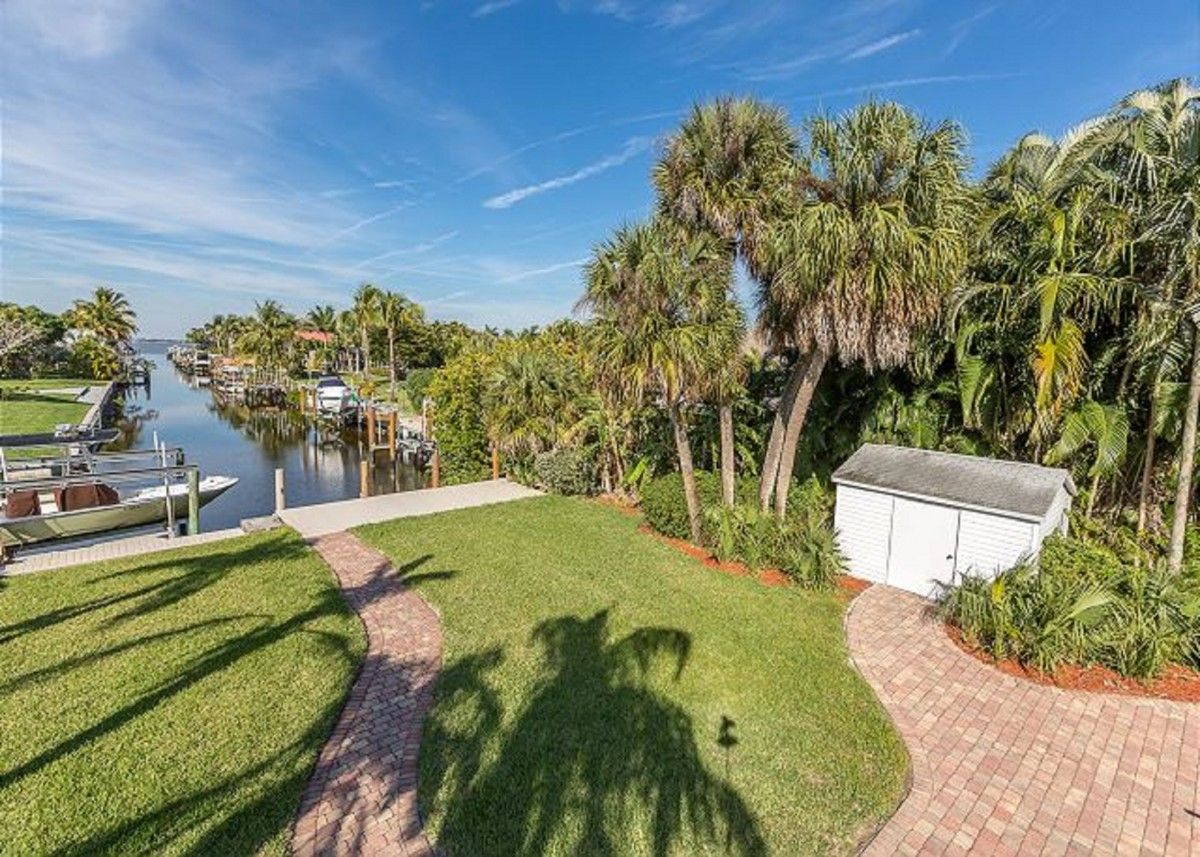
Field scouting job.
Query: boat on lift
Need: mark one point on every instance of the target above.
(335, 398)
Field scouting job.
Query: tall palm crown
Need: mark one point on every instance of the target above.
(732, 169)
(656, 296)
(269, 334)
(107, 316)
(875, 239)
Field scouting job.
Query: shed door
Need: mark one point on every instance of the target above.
(923, 546)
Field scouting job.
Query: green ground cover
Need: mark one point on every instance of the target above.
(33, 412)
(169, 704)
(605, 694)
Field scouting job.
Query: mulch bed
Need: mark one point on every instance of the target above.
(1177, 682)
(848, 586)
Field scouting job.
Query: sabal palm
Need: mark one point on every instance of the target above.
(658, 296)
(393, 312)
(107, 315)
(876, 243)
(365, 311)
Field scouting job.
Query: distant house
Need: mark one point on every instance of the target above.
(319, 337)
(912, 518)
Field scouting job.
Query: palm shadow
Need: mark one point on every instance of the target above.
(596, 755)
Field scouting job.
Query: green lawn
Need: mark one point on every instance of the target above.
(47, 383)
(173, 703)
(605, 694)
(33, 412)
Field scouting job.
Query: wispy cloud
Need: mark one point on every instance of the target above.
(881, 45)
(906, 82)
(354, 227)
(632, 148)
(962, 29)
(538, 272)
(396, 183)
(516, 153)
(411, 250)
(669, 15)
(491, 8)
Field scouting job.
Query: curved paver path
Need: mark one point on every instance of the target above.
(362, 797)
(1004, 766)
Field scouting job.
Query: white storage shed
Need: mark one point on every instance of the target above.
(915, 517)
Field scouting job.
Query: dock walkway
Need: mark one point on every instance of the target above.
(116, 549)
(325, 518)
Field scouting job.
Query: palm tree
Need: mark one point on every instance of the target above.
(394, 311)
(366, 317)
(107, 316)
(1153, 137)
(322, 318)
(1104, 427)
(853, 238)
(656, 294)
(269, 335)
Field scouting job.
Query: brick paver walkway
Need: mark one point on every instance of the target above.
(362, 797)
(1004, 766)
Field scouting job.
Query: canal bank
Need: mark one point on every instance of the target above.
(251, 444)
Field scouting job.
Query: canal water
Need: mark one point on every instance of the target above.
(234, 440)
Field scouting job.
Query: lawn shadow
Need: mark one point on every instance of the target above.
(597, 754)
(192, 575)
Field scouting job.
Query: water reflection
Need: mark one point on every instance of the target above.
(234, 440)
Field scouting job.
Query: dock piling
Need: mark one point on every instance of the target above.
(280, 499)
(364, 479)
(193, 489)
(392, 435)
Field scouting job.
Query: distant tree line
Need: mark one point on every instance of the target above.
(90, 339)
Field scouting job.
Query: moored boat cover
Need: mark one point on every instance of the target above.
(22, 504)
(89, 496)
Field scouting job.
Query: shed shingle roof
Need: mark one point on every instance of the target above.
(1013, 487)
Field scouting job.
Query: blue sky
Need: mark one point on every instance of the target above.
(204, 155)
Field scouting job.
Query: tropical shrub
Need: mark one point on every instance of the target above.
(1083, 604)
(457, 390)
(665, 508)
(416, 384)
(564, 471)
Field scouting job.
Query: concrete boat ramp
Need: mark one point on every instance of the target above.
(309, 521)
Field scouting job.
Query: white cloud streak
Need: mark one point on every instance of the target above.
(538, 272)
(881, 45)
(485, 9)
(632, 148)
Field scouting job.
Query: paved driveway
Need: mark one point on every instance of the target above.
(1005, 766)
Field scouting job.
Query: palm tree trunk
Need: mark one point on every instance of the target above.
(1094, 490)
(770, 468)
(1187, 457)
(686, 468)
(795, 426)
(728, 463)
(392, 362)
(1148, 462)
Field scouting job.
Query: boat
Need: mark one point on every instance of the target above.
(202, 367)
(334, 397)
(29, 516)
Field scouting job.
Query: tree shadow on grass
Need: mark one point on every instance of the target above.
(596, 756)
(191, 576)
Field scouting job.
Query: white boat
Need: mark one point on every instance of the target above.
(334, 397)
(99, 510)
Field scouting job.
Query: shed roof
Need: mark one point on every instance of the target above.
(1012, 487)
